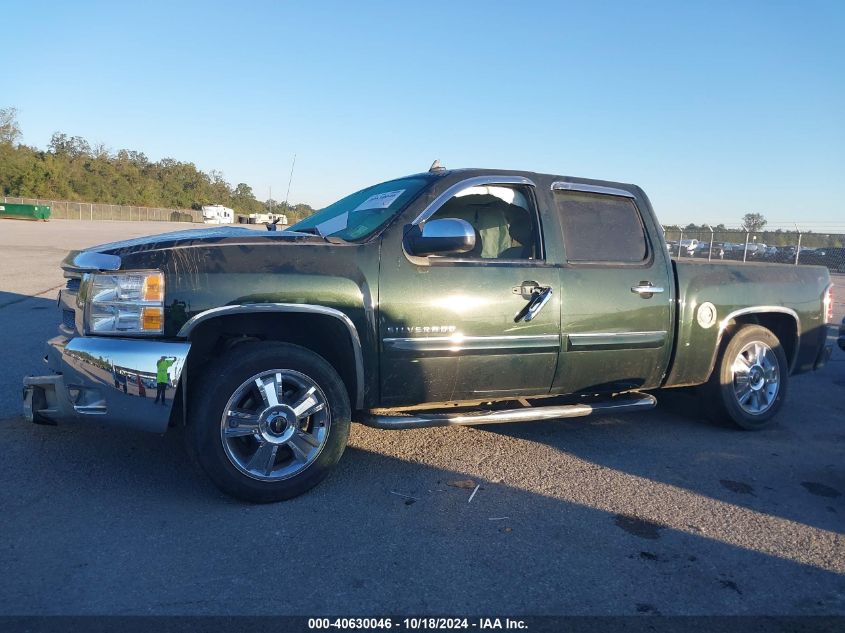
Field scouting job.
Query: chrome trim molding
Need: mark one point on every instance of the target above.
(585, 188)
(760, 309)
(620, 404)
(616, 340)
(250, 308)
(89, 260)
(723, 324)
(459, 343)
(477, 181)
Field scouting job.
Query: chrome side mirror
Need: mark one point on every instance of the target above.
(445, 236)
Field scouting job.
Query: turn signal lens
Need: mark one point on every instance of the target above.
(153, 289)
(151, 319)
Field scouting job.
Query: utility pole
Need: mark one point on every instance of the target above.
(710, 251)
(290, 180)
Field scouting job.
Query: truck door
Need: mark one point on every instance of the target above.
(617, 290)
(449, 326)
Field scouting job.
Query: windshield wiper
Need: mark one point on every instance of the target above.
(315, 230)
(312, 230)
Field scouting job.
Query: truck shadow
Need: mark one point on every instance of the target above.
(792, 470)
(85, 506)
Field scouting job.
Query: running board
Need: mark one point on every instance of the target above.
(620, 404)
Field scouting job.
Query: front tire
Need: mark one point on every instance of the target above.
(268, 421)
(749, 382)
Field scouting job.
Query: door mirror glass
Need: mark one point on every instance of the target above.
(446, 236)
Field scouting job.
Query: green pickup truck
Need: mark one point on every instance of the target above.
(451, 297)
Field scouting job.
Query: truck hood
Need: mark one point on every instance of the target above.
(108, 256)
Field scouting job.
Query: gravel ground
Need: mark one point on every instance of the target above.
(650, 513)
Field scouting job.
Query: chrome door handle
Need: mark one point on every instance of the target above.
(646, 288)
(540, 297)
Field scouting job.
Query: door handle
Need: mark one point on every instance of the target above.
(527, 289)
(646, 289)
(539, 297)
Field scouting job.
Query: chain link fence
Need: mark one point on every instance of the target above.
(784, 247)
(66, 210)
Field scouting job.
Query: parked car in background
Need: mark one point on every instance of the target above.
(786, 254)
(703, 250)
(775, 254)
(720, 248)
(755, 250)
(689, 247)
(791, 250)
(831, 257)
(733, 250)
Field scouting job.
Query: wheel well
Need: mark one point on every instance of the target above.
(782, 325)
(322, 334)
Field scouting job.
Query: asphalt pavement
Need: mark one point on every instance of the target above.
(652, 513)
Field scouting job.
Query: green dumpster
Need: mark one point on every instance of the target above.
(24, 211)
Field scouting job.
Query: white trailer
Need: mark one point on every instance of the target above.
(217, 214)
(268, 218)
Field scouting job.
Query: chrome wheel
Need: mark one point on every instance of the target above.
(275, 424)
(756, 378)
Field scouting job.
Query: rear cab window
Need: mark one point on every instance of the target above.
(601, 228)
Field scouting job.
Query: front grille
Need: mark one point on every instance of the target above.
(68, 318)
(73, 283)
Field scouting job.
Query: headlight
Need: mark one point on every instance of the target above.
(125, 303)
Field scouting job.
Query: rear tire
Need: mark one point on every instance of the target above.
(750, 380)
(268, 421)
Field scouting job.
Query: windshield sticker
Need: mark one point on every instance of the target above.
(380, 200)
(333, 225)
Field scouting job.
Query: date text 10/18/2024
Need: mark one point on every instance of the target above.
(417, 623)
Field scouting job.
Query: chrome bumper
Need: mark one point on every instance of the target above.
(110, 380)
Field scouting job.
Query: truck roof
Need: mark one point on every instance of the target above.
(534, 176)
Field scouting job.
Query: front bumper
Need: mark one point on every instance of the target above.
(110, 380)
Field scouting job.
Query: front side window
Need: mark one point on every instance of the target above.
(503, 218)
(361, 214)
(601, 228)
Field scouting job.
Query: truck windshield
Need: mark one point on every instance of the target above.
(358, 215)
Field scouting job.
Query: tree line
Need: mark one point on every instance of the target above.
(72, 169)
(751, 222)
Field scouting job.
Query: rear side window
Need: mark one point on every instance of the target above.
(601, 228)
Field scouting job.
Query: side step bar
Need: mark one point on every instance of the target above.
(620, 404)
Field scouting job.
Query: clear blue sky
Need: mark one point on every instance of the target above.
(715, 108)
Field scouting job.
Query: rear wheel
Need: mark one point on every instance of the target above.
(269, 421)
(749, 381)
